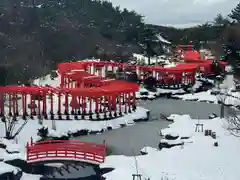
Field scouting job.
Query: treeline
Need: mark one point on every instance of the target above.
(221, 35)
(36, 35)
(221, 29)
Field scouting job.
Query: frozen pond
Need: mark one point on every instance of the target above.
(129, 140)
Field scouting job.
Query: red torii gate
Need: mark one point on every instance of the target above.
(161, 74)
(109, 91)
(13, 92)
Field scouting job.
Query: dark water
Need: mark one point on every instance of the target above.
(73, 172)
(131, 139)
(170, 106)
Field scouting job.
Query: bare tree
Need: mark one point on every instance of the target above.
(10, 122)
(233, 121)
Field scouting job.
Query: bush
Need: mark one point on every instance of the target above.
(43, 132)
(53, 75)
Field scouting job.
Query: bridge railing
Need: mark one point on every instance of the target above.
(66, 150)
(77, 142)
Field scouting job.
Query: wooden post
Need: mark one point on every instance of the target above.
(137, 176)
(10, 104)
(31, 105)
(129, 102)
(39, 106)
(44, 104)
(66, 104)
(104, 108)
(114, 107)
(110, 105)
(16, 104)
(1, 104)
(96, 104)
(134, 101)
(27, 150)
(120, 104)
(125, 103)
(51, 96)
(62, 81)
(90, 105)
(24, 104)
(31, 142)
(59, 104)
(13, 104)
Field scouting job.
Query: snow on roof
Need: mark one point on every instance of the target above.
(197, 159)
(159, 36)
(153, 60)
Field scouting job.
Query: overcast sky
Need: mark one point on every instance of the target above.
(178, 13)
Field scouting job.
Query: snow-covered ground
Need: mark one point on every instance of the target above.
(144, 93)
(228, 95)
(232, 98)
(141, 59)
(26, 176)
(197, 159)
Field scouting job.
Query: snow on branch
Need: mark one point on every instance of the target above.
(233, 121)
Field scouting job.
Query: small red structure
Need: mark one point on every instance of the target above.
(65, 150)
(205, 66)
(182, 48)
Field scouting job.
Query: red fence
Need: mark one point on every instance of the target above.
(66, 150)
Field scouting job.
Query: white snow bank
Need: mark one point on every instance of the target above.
(6, 168)
(153, 60)
(58, 165)
(227, 87)
(199, 160)
(233, 98)
(26, 176)
(180, 120)
(201, 96)
(176, 141)
(163, 39)
(13, 148)
(148, 149)
(159, 91)
(46, 80)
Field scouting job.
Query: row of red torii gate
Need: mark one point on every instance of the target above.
(85, 92)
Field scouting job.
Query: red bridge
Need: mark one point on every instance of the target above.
(65, 150)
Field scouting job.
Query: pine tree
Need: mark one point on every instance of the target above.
(149, 42)
(235, 13)
(220, 20)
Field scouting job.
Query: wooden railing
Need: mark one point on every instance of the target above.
(66, 150)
